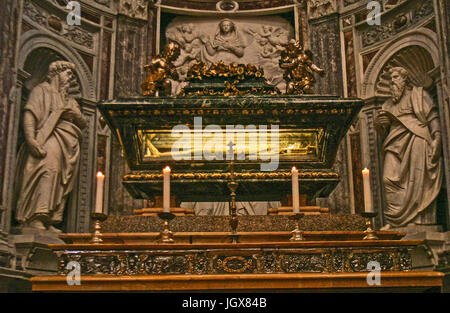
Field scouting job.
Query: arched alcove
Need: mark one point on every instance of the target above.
(35, 41)
(416, 50)
(416, 60)
(37, 63)
(37, 51)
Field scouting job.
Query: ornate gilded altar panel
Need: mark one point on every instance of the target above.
(250, 145)
(302, 131)
(236, 260)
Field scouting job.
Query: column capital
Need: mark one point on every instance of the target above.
(137, 9)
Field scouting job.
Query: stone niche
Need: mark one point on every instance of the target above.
(254, 40)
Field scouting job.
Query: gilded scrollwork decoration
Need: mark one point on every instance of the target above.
(198, 262)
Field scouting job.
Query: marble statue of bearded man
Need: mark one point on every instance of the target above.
(48, 159)
(412, 174)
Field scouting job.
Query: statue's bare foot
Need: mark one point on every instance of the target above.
(37, 224)
(54, 229)
(386, 227)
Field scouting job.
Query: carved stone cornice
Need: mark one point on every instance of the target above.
(211, 5)
(373, 102)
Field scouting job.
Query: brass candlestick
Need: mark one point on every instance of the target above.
(369, 232)
(98, 219)
(233, 185)
(233, 211)
(297, 234)
(166, 236)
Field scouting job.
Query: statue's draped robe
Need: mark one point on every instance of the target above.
(411, 180)
(43, 185)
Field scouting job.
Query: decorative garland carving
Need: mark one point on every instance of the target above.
(396, 24)
(79, 36)
(327, 260)
(53, 23)
(34, 14)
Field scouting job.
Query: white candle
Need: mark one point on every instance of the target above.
(295, 195)
(166, 189)
(99, 198)
(367, 191)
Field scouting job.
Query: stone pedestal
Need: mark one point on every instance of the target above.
(6, 252)
(32, 252)
(12, 280)
(433, 253)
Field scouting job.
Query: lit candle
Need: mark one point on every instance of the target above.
(99, 198)
(166, 189)
(295, 195)
(367, 192)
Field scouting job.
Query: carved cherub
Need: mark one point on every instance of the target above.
(190, 42)
(162, 71)
(299, 69)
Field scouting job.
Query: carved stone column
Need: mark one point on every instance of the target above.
(9, 30)
(134, 34)
(442, 81)
(325, 44)
(326, 47)
(10, 15)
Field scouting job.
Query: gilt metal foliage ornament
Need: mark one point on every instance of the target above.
(227, 80)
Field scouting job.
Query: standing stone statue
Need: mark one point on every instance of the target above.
(413, 172)
(48, 159)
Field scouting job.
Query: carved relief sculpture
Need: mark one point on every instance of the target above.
(162, 71)
(241, 40)
(190, 42)
(299, 69)
(48, 160)
(413, 172)
(226, 39)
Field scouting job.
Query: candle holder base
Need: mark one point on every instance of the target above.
(233, 185)
(98, 219)
(166, 236)
(234, 238)
(233, 224)
(297, 234)
(369, 232)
